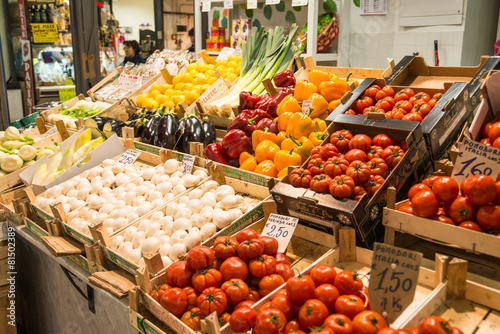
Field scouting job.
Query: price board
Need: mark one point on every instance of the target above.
(188, 163)
(306, 106)
(128, 157)
(44, 32)
(205, 6)
(66, 94)
(475, 158)
(393, 279)
(251, 4)
(281, 228)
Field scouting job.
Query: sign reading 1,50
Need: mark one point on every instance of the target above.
(394, 286)
(475, 169)
(276, 233)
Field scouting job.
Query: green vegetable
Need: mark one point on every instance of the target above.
(13, 134)
(13, 144)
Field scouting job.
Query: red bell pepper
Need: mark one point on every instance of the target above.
(267, 123)
(284, 79)
(236, 142)
(216, 153)
(249, 100)
(247, 122)
(264, 102)
(276, 100)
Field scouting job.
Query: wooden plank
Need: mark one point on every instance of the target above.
(40, 125)
(62, 246)
(457, 277)
(489, 325)
(462, 313)
(62, 129)
(347, 244)
(268, 85)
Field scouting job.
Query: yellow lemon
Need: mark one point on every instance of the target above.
(188, 86)
(232, 58)
(232, 77)
(233, 64)
(180, 86)
(176, 79)
(211, 80)
(169, 104)
(193, 73)
(221, 69)
(205, 87)
(161, 99)
(210, 67)
(154, 93)
(169, 92)
(191, 97)
(179, 99)
(149, 103)
(140, 99)
(165, 87)
(222, 62)
(210, 73)
(192, 66)
(198, 88)
(187, 77)
(155, 87)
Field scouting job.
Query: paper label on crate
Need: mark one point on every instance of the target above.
(4, 231)
(228, 4)
(251, 4)
(393, 279)
(129, 156)
(281, 228)
(306, 106)
(475, 158)
(296, 3)
(205, 6)
(272, 2)
(188, 163)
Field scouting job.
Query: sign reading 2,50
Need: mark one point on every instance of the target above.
(276, 233)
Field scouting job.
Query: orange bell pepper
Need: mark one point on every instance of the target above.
(289, 103)
(283, 159)
(280, 137)
(334, 89)
(243, 157)
(304, 89)
(266, 150)
(284, 119)
(282, 173)
(317, 137)
(258, 136)
(334, 104)
(319, 105)
(304, 147)
(324, 115)
(288, 144)
(249, 164)
(300, 125)
(266, 168)
(321, 124)
(317, 77)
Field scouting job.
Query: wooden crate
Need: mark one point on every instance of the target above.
(146, 323)
(303, 251)
(254, 195)
(11, 203)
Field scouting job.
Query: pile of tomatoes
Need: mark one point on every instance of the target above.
(491, 134)
(404, 104)
(350, 166)
(236, 272)
(474, 205)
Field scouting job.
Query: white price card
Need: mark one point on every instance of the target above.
(188, 163)
(251, 4)
(205, 6)
(306, 106)
(393, 279)
(228, 4)
(296, 3)
(281, 228)
(272, 2)
(475, 158)
(129, 157)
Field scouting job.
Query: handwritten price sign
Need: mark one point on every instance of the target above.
(475, 158)
(129, 157)
(281, 228)
(393, 279)
(188, 163)
(306, 106)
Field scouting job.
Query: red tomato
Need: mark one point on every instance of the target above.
(179, 274)
(234, 267)
(192, 319)
(457, 330)
(246, 234)
(365, 298)
(359, 172)
(355, 154)
(383, 140)
(328, 294)
(359, 192)
(413, 116)
(192, 296)
(446, 189)
(372, 91)
(158, 292)
(341, 139)
(212, 300)
(340, 323)
(406, 209)
(245, 303)
(497, 200)
(242, 319)
(323, 274)
(362, 103)
(349, 305)
(462, 209)
(250, 249)
(300, 288)
(380, 95)
(270, 245)
(494, 131)
(225, 247)
(285, 271)
(434, 325)
(321, 183)
(348, 283)
(252, 281)
(373, 184)
(388, 90)
(392, 155)
(270, 321)
(253, 294)
(368, 322)
(416, 188)
(388, 330)
(480, 189)
(313, 313)
(444, 219)
(200, 257)
(284, 303)
(470, 225)
(496, 143)
(360, 141)
(294, 326)
(175, 301)
(488, 216)
(262, 266)
(486, 128)
(236, 290)
(425, 204)
(430, 180)
(282, 258)
(321, 330)
(270, 283)
(386, 104)
(206, 278)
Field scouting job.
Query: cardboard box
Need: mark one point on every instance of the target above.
(107, 150)
(413, 71)
(323, 210)
(443, 124)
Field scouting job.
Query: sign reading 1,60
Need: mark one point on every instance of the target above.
(471, 167)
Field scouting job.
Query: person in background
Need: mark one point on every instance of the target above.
(191, 37)
(132, 52)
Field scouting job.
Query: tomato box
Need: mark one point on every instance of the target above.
(323, 210)
(443, 123)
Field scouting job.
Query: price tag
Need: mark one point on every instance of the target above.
(272, 2)
(306, 105)
(66, 94)
(296, 3)
(205, 6)
(393, 279)
(129, 157)
(281, 228)
(251, 4)
(475, 158)
(228, 4)
(188, 163)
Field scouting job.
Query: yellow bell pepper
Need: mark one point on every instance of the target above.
(317, 77)
(258, 136)
(321, 124)
(267, 168)
(283, 159)
(317, 137)
(249, 164)
(266, 150)
(324, 115)
(284, 119)
(300, 125)
(319, 105)
(304, 147)
(304, 89)
(288, 144)
(334, 89)
(243, 157)
(282, 173)
(334, 104)
(289, 103)
(280, 137)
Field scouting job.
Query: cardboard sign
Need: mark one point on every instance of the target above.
(205, 6)
(296, 3)
(393, 280)
(281, 228)
(66, 94)
(188, 163)
(129, 157)
(272, 2)
(306, 106)
(475, 158)
(228, 4)
(45, 32)
(251, 4)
